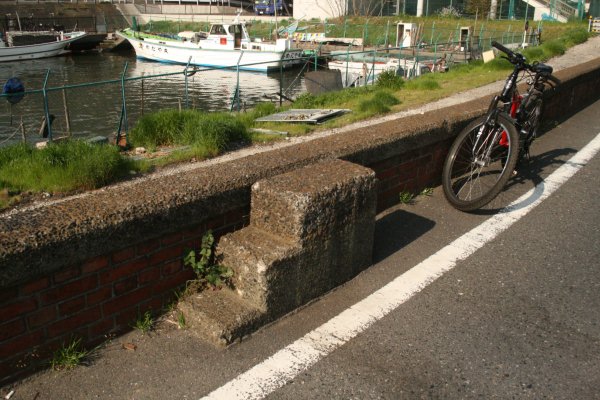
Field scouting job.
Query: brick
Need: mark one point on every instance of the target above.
(386, 174)
(71, 306)
(119, 303)
(12, 329)
(125, 285)
(172, 282)
(35, 286)
(149, 275)
(166, 254)
(95, 264)
(8, 294)
(212, 224)
(240, 215)
(171, 239)
(101, 329)
(127, 318)
(10, 310)
(100, 295)
(66, 274)
(171, 267)
(154, 304)
(197, 231)
(123, 271)
(69, 290)
(123, 255)
(147, 247)
(20, 343)
(42, 317)
(68, 325)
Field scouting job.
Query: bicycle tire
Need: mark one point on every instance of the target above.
(470, 183)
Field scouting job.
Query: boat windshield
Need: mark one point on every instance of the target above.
(217, 30)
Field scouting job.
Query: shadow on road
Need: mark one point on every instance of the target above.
(397, 229)
(530, 174)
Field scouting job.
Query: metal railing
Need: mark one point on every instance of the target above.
(48, 98)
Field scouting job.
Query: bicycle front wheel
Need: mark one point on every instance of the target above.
(480, 162)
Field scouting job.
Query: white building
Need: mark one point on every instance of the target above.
(319, 9)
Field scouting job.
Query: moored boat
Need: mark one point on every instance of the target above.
(225, 45)
(11, 52)
(357, 73)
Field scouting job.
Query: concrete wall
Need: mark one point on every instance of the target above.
(87, 265)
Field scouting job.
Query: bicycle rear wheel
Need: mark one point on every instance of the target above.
(479, 163)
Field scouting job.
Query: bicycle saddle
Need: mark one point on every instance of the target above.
(543, 69)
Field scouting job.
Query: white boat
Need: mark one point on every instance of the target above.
(358, 73)
(225, 45)
(8, 52)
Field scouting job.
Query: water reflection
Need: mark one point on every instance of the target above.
(96, 110)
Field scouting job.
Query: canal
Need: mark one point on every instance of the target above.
(96, 109)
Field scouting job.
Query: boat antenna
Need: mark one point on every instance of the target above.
(18, 20)
(237, 17)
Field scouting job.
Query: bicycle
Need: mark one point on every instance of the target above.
(483, 157)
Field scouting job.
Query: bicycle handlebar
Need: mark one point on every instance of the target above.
(511, 55)
(516, 58)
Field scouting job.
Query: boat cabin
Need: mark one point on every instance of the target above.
(228, 35)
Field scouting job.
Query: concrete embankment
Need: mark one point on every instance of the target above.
(88, 265)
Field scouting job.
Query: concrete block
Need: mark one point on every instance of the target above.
(220, 316)
(312, 203)
(310, 230)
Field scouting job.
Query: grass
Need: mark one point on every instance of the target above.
(406, 197)
(60, 167)
(64, 167)
(207, 133)
(144, 323)
(181, 324)
(69, 356)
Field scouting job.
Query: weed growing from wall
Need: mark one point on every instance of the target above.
(204, 263)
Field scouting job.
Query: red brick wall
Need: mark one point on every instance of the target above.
(106, 294)
(410, 172)
(100, 297)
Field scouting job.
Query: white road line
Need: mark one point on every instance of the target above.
(283, 366)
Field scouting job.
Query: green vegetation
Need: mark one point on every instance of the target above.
(59, 167)
(181, 324)
(144, 323)
(406, 198)
(69, 356)
(190, 134)
(208, 271)
(426, 191)
(379, 103)
(203, 134)
(389, 80)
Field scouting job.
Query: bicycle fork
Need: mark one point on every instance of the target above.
(483, 146)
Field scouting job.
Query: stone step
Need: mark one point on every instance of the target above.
(221, 316)
(259, 260)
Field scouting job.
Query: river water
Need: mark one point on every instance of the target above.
(96, 110)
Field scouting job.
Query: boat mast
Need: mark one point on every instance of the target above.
(18, 20)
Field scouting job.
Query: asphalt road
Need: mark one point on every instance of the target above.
(518, 318)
